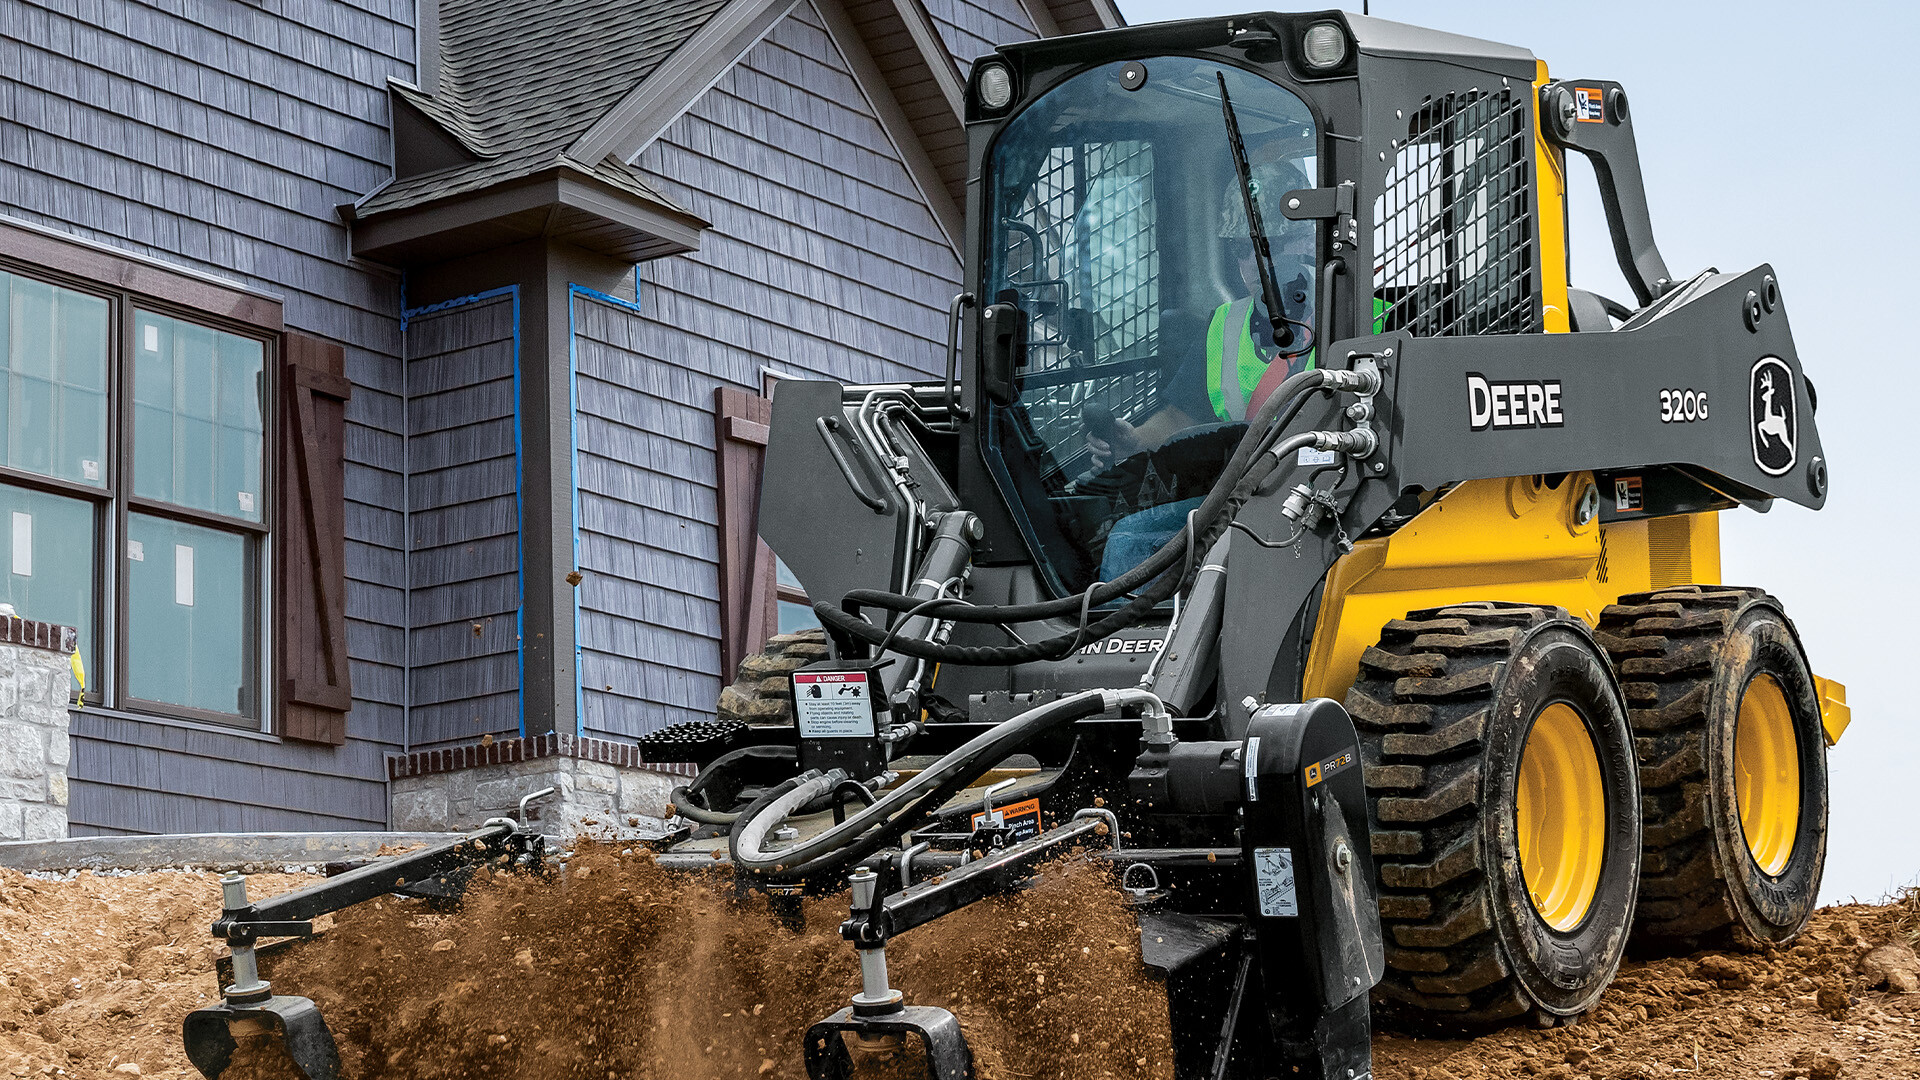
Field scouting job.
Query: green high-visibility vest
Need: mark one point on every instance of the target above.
(1235, 352)
(1229, 397)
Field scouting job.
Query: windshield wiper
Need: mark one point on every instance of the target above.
(1279, 327)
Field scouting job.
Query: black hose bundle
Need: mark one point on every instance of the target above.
(905, 807)
(720, 783)
(1243, 473)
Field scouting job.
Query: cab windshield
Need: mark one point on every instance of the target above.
(1119, 227)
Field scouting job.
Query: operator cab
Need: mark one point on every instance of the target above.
(1118, 229)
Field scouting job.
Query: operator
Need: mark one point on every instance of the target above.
(1239, 335)
(1240, 364)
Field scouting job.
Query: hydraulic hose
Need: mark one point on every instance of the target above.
(1154, 565)
(686, 808)
(902, 808)
(1112, 622)
(690, 800)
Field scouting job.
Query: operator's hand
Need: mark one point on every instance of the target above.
(1124, 443)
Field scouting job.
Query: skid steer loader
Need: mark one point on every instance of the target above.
(1287, 531)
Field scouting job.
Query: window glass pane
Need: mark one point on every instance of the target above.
(188, 597)
(46, 549)
(783, 574)
(197, 416)
(53, 345)
(797, 617)
(792, 616)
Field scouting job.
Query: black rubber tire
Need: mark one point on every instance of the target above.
(761, 693)
(1685, 657)
(1444, 705)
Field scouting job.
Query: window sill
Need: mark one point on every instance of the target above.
(174, 721)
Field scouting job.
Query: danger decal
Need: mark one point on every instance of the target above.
(1022, 820)
(833, 705)
(1589, 105)
(1627, 497)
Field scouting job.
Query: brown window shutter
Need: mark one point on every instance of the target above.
(311, 543)
(747, 605)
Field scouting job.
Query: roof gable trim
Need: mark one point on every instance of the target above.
(1041, 16)
(939, 61)
(649, 108)
(892, 120)
(560, 202)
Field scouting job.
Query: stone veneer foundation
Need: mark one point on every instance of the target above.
(602, 789)
(36, 686)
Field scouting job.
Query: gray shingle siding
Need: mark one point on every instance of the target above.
(972, 28)
(143, 776)
(220, 136)
(463, 472)
(822, 260)
(216, 134)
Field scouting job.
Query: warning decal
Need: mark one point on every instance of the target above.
(1626, 494)
(1023, 818)
(1273, 875)
(833, 704)
(1587, 105)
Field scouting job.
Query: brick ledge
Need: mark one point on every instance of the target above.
(530, 748)
(34, 634)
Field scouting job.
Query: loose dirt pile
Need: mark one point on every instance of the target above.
(96, 972)
(1829, 1006)
(621, 970)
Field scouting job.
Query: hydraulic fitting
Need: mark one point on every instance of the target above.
(1364, 378)
(1300, 506)
(1358, 442)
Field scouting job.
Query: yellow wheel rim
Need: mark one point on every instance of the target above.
(1766, 773)
(1560, 811)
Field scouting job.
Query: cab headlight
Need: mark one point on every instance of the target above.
(995, 86)
(1324, 45)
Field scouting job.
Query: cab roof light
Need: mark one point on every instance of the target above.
(1324, 45)
(995, 86)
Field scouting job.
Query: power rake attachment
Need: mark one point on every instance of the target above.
(248, 1005)
(1245, 862)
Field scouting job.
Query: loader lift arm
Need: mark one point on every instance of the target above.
(1590, 116)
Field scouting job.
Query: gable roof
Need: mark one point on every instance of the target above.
(518, 83)
(550, 99)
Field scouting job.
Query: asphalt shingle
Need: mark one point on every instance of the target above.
(522, 79)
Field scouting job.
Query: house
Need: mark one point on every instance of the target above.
(385, 379)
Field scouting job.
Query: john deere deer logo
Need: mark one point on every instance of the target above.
(1776, 420)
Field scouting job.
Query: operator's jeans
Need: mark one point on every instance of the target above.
(1139, 535)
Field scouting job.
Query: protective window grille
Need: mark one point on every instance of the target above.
(1452, 233)
(1083, 256)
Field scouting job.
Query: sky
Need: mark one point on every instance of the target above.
(1780, 133)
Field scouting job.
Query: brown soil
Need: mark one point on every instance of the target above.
(96, 972)
(1823, 1008)
(621, 970)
